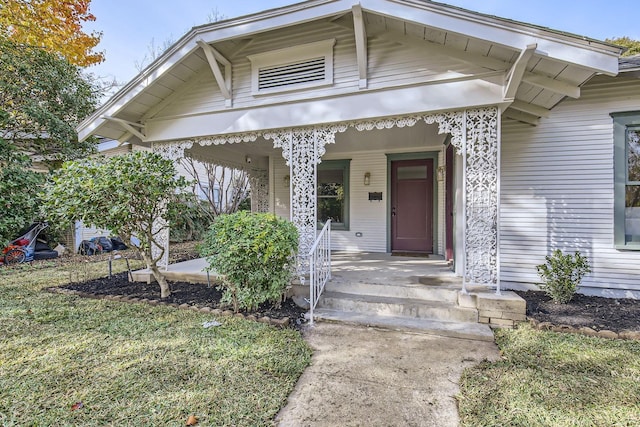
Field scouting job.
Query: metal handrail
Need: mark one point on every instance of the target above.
(319, 266)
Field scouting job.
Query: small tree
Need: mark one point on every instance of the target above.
(125, 194)
(223, 188)
(562, 274)
(255, 253)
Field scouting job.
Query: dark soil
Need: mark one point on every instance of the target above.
(183, 293)
(594, 312)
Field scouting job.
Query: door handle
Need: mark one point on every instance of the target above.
(393, 211)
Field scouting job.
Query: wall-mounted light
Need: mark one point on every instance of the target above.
(440, 173)
(367, 178)
(248, 159)
(286, 181)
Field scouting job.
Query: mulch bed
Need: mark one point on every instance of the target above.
(184, 295)
(592, 312)
(597, 313)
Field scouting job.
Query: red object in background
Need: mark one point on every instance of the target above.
(22, 242)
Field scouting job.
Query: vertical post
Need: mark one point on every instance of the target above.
(312, 287)
(499, 160)
(464, 202)
(329, 248)
(173, 151)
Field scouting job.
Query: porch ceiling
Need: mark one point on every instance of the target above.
(420, 137)
(541, 66)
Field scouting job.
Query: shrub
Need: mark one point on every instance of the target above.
(255, 254)
(562, 274)
(189, 220)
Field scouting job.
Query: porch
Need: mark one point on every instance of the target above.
(393, 292)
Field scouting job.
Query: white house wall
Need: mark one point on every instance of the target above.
(390, 64)
(557, 190)
(367, 218)
(395, 64)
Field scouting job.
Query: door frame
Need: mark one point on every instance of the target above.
(432, 155)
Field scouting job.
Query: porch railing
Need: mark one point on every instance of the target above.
(319, 266)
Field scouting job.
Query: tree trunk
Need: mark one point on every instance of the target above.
(165, 291)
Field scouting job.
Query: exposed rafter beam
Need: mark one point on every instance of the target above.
(537, 80)
(186, 87)
(514, 77)
(361, 44)
(533, 109)
(124, 138)
(553, 85)
(522, 117)
(129, 126)
(242, 45)
(224, 82)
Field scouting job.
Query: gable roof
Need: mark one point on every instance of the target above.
(556, 66)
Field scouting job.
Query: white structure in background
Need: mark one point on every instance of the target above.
(414, 126)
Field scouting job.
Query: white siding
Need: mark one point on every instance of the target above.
(391, 63)
(280, 200)
(557, 190)
(366, 217)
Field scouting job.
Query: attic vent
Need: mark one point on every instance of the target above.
(293, 68)
(312, 70)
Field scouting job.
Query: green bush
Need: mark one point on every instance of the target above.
(255, 254)
(189, 220)
(562, 274)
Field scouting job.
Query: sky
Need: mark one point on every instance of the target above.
(130, 26)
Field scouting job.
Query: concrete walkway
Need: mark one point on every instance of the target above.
(363, 376)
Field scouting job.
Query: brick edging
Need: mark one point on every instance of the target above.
(284, 322)
(584, 330)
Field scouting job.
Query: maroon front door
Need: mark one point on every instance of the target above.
(412, 206)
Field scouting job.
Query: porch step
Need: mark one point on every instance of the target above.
(424, 289)
(465, 330)
(393, 306)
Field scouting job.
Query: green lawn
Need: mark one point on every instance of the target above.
(553, 379)
(133, 364)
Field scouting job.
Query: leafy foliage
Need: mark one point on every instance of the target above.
(633, 46)
(255, 253)
(125, 194)
(19, 201)
(562, 274)
(55, 25)
(42, 99)
(189, 219)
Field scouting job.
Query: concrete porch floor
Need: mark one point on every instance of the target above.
(387, 269)
(347, 267)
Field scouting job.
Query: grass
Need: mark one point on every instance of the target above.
(133, 364)
(553, 379)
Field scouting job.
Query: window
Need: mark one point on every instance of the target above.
(627, 180)
(333, 193)
(292, 68)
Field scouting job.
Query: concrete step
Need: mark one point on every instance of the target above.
(465, 330)
(442, 291)
(404, 307)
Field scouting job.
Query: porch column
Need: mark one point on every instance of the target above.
(259, 181)
(173, 151)
(476, 137)
(303, 150)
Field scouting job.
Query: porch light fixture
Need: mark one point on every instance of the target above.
(248, 159)
(440, 173)
(367, 178)
(286, 181)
